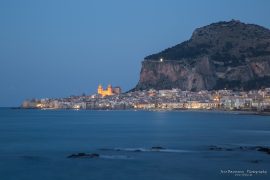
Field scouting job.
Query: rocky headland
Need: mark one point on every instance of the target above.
(231, 55)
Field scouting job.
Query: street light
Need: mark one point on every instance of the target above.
(161, 60)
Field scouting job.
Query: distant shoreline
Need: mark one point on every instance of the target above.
(239, 112)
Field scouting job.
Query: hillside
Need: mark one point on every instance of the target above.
(221, 55)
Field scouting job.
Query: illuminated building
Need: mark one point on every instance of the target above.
(109, 91)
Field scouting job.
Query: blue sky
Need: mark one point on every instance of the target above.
(57, 48)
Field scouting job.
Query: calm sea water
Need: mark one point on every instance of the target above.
(34, 145)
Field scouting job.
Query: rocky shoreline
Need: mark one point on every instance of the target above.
(160, 149)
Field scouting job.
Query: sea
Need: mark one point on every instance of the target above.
(132, 145)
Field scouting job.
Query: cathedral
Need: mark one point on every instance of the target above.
(109, 91)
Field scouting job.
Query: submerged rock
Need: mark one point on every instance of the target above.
(137, 150)
(263, 149)
(157, 148)
(84, 155)
(241, 148)
(215, 148)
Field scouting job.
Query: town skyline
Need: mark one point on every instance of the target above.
(253, 101)
(55, 49)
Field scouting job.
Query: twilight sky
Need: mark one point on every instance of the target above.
(57, 48)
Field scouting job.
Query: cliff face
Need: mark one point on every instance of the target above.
(221, 55)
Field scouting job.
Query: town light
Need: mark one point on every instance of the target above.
(161, 60)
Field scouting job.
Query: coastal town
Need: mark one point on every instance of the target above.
(175, 99)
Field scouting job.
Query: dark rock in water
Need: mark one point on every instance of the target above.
(255, 148)
(241, 148)
(215, 148)
(84, 155)
(157, 148)
(154, 148)
(264, 149)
